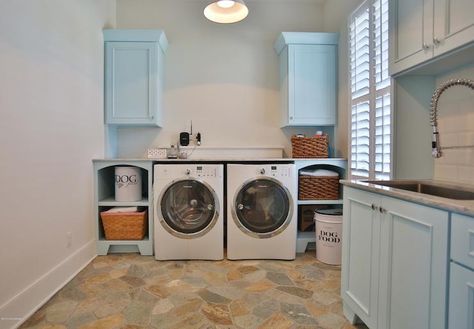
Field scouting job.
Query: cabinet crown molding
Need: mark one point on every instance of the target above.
(137, 35)
(305, 38)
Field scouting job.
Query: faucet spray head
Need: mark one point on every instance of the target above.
(435, 149)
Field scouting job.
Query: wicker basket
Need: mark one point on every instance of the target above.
(310, 147)
(124, 225)
(318, 187)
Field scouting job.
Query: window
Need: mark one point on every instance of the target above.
(370, 85)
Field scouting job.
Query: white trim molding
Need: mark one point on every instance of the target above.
(21, 306)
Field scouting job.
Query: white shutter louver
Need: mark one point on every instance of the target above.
(371, 117)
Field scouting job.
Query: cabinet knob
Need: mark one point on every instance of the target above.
(436, 41)
(426, 46)
(382, 210)
(374, 207)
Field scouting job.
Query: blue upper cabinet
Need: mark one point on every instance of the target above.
(308, 78)
(134, 77)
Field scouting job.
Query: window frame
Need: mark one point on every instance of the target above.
(371, 97)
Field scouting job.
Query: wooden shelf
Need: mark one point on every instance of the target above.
(110, 201)
(316, 202)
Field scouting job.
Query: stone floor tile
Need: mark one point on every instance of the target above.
(260, 286)
(255, 276)
(247, 269)
(284, 297)
(79, 320)
(238, 308)
(59, 312)
(138, 271)
(138, 313)
(234, 274)
(266, 309)
(191, 306)
(248, 321)
(194, 320)
(164, 320)
(111, 305)
(298, 313)
(196, 281)
(183, 298)
(227, 291)
(162, 306)
(213, 298)
(331, 321)
(276, 321)
(158, 290)
(279, 278)
(218, 314)
(115, 321)
(296, 291)
(132, 291)
(133, 281)
(325, 298)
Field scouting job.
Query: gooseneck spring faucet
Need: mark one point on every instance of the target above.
(435, 147)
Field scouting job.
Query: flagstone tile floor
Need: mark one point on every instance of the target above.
(132, 291)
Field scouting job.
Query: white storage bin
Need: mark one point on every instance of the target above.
(328, 235)
(128, 184)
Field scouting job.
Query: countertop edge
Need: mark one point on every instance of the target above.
(221, 160)
(464, 207)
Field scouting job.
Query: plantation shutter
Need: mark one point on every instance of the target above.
(371, 117)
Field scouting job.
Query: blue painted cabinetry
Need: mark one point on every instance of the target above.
(307, 78)
(394, 266)
(461, 287)
(134, 77)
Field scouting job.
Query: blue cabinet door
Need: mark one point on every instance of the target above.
(133, 83)
(461, 298)
(312, 85)
(413, 266)
(360, 255)
(308, 77)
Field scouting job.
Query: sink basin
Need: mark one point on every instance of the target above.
(431, 189)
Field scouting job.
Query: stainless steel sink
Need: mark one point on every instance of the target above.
(429, 188)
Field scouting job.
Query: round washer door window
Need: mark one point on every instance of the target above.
(188, 207)
(263, 206)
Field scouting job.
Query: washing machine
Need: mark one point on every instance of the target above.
(188, 203)
(261, 211)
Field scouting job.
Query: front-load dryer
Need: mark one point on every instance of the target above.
(261, 211)
(188, 203)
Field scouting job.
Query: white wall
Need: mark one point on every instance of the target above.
(51, 103)
(456, 127)
(223, 77)
(412, 139)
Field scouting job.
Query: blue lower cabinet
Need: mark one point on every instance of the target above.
(461, 298)
(394, 267)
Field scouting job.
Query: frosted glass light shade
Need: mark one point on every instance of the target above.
(226, 11)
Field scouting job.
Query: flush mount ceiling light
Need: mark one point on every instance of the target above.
(226, 11)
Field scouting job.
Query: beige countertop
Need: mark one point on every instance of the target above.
(458, 206)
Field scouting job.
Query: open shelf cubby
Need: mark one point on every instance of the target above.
(306, 239)
(104, 174)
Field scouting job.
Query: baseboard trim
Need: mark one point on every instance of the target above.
(20, 307)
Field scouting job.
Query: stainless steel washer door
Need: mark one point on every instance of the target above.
(262, 207)
(189, 208)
